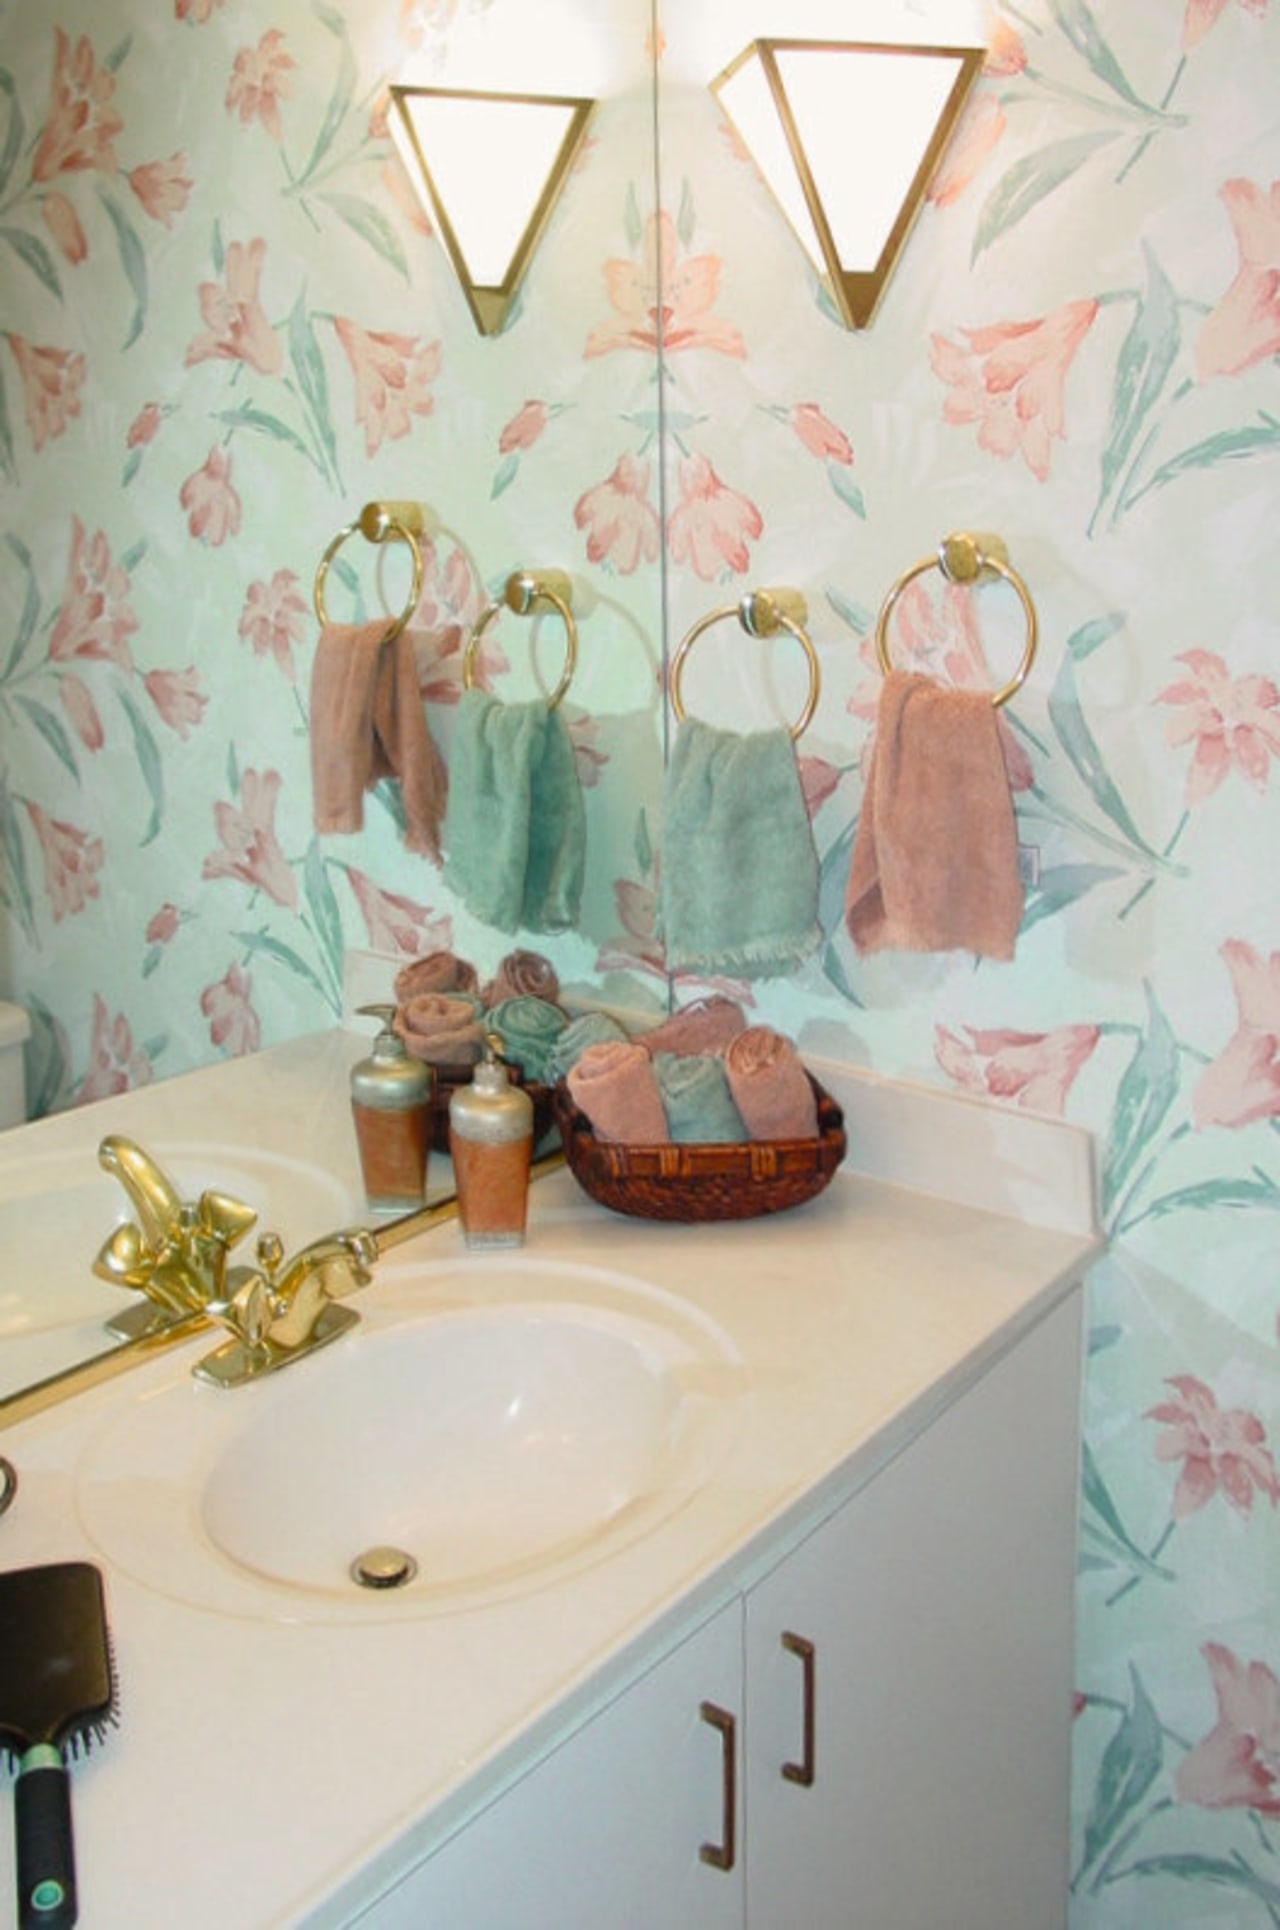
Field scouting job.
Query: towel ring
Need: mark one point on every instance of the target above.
(963, 558)
(382, 523)
(762, 613)
(522, 592)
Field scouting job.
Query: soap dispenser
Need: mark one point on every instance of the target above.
(391, 1105)
(491, 1140)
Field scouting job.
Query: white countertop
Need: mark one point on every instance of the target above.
(268, 1773)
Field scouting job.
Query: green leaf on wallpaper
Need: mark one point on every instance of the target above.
(8, 456)
(233, 771)
(1062, 885)
(15, 858)
(1224, 1873)
(53, 731)
(1091, 636)
(846, 488)
(118, 55)
(1100, 1522)
(371, 225)
(262, 941)
(30, 607)
(324, 909)
(248, 416)
(217, 253)
(148, 756)
(853, 615)
(643, 845)
(1077, 740)
(633, 226)
(1212, 1195)
(309, 370)
(1131, 1762)
(151, 959)
(133, 259)
(14, 128)
(833, 968)
(1145, 1094)
(1229, 445)
(833, 874)
(47, 1066)
(388, 794)
(1146, 356)
(340, 100)
(1077, 22)
(32, 251)
(1023, 186)
(687, 216)
(507, 471)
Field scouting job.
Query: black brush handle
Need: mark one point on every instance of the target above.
(46, 1860)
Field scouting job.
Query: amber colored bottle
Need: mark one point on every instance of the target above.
(491, 1140)
(391, 1106)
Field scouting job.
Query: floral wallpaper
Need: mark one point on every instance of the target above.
(224, 328)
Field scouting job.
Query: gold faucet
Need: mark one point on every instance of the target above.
(176, 1253)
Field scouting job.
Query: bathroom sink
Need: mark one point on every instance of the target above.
(490, 1426)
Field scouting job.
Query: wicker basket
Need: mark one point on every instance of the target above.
(729, 1182)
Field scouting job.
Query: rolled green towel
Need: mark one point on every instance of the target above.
(697, 1101)
(529, 1029)
(589, 1028)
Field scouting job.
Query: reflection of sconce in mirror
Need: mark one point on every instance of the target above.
(488, 168)
(847, 136)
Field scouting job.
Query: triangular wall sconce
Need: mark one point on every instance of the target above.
(847, 135)
(488, 168)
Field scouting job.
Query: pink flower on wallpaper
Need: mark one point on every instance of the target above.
(1222, 1449)
(236, 326)
(818, 781)
(1245, 326)
(589, 760)
(981, 128)
(178, 698)
(162, 924)
(393, 375)
(711, 524)
(1010, 381)
(162, 188)
(143, 428)
(63, 223)
(1006, 55)
(82, 124)
(1202, 14)
(51, 382)
(524, 428)
(72, 861)
(83, 712)
(638, 948)
(272, 619)
(620, 522)
(234, 1026)
(449, 607)
(198, 11)
(819, 435)
(1034, 1070)
(1242, 1084)
(1237, 1765)
(210, 500)
(95, 619)
(260, 81)
(250, 851)
(397, 924)
(661, 298)
(1228, 720)
(114, 1065)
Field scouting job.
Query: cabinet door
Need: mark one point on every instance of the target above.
(606, 1833)
(937, 1606)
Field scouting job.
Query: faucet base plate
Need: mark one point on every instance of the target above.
(235, 1363)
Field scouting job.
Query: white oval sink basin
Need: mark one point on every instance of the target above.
(497, 1441)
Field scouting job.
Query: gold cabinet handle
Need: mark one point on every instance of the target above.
(722, 1855)
(802, 1772)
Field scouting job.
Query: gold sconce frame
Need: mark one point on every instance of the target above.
(855, 289)
(489, 297)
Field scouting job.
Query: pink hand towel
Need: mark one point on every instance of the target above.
(523, 974)
(770, 1086)
(615, 1084)
(368, 722)
(442, 1029)
(434, 972)
(705, 1026)
(935, 855)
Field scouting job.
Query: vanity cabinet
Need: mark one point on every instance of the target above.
(872, 1733)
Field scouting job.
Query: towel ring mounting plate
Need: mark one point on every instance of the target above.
(762, 613)
(379, 524)
(523, 592)
(966, 558)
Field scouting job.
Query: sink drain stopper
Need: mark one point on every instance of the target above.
(383, 1568)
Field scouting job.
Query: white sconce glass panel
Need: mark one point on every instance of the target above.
(749, 103)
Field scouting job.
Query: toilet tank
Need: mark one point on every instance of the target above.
(15, 1028)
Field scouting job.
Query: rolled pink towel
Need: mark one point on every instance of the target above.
(706, 1026)
(434, 972)
(442, 1029)
(770, 1086)
(523, 975)
(614, 1083)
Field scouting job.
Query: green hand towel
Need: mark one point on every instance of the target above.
(529, 1029)
(589, 1028)
(516, 827)
(696, 1099)
(739, 877)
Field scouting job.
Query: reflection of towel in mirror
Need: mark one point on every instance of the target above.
(528, 1028)
(441, 1028)
(697, 1101)
(516, 831)
(739, 880)
(368, 722)
(615, 1085)
(770, 1086)
(935, 855)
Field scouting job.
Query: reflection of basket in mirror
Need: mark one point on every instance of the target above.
(688, 1182)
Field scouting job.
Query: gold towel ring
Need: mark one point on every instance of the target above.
(522, 592)
(762, 613)
(381, 523)
(963, 558)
